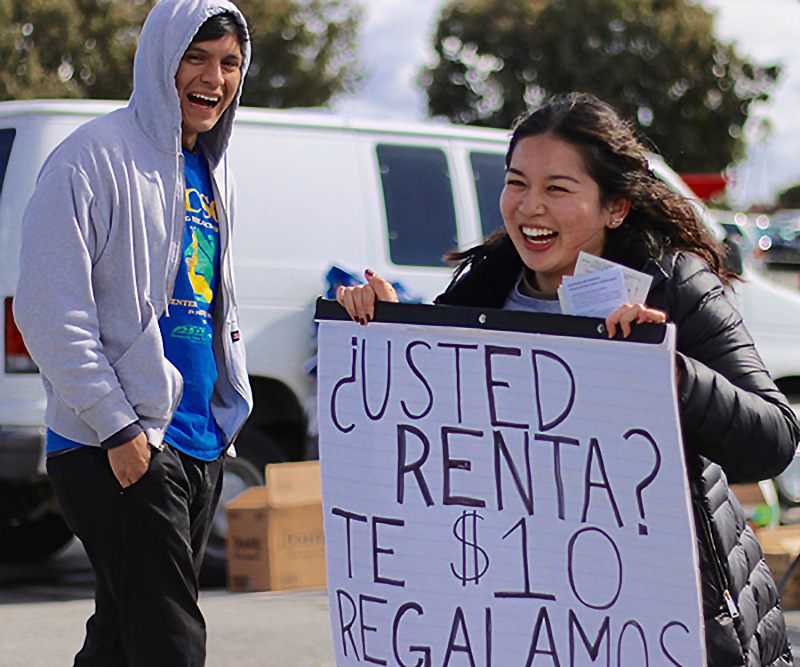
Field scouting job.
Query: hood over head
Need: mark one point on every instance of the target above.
(167, 33)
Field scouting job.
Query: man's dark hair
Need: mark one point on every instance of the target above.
(220, 25)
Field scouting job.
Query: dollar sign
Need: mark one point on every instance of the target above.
(479, 559)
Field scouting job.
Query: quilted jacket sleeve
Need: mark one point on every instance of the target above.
(732, 412)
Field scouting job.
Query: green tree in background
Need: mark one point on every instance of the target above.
(68, 48)
(789, 198)
(657, 61)
(304, 51)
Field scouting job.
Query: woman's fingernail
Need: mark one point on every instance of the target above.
(369, 273)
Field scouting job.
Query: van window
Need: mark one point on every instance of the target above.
(489, 172)
(7, 136)
(420, 213)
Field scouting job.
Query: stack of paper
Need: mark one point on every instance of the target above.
(600, 286)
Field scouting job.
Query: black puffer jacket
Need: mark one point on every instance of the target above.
(736, 425)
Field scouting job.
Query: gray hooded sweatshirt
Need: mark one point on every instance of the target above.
(101, 245)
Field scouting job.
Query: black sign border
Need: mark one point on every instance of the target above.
(495, 319)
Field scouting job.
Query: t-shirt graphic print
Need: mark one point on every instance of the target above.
(188, 326)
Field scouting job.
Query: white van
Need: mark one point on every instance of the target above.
(314, 191)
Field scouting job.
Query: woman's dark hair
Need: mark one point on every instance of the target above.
(220, 25)
(659, 220)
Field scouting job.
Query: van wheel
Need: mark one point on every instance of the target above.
(238, 475)
(259, 447)
(276, 430)
(33, 541)
(31, 528)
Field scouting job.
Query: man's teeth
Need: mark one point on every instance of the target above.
(208, 101)
(538, 234)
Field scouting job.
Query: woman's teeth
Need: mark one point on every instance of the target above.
(538, 234)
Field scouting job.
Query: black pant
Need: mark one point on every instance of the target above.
(146, 544)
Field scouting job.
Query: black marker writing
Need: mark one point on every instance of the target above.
(596, 454)
(378, 415)
(449, 464)
(591, 549)
(501, 453)
(348, 517)
(526, 592)
(650, 477)
(557, 441)
(415, 467)
(458, 348)
(345, 380)
(418, 373)
(491, 382)
(538, 373)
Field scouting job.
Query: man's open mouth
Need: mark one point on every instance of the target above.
(203, 100)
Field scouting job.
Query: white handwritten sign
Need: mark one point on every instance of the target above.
(504, 499)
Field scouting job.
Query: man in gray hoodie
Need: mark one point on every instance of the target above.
(125, 300)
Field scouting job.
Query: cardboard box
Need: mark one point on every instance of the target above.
(748, 494)
(275, 535)
(761, 509)
(781, 546)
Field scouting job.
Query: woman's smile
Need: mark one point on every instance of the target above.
(539, 237)
(553, 208)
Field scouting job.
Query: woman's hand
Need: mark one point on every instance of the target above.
(359, 301)
(627, 314)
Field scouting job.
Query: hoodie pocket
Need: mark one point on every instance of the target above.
(150, 382)
(237, 365)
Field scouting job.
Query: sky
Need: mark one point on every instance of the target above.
(395, 43)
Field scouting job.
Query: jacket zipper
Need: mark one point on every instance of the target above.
(722, 580)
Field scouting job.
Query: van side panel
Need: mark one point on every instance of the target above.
(299, 210)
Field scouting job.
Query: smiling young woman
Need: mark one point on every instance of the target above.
(578, 179)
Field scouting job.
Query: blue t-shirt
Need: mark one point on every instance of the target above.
(188, 327)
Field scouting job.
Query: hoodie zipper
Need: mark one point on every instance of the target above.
(226, 282)
(728, 603)
(177, 202)
(173, 242)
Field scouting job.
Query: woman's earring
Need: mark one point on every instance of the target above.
(615, 223)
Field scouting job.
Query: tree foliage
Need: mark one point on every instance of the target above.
(790, 198)
(68, 48)
(657, 61)
(304, 51)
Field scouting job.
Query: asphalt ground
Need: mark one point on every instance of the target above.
(43, 609)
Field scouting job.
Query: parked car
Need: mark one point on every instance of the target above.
(313, 191)
(742, 232)
(780, 239)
